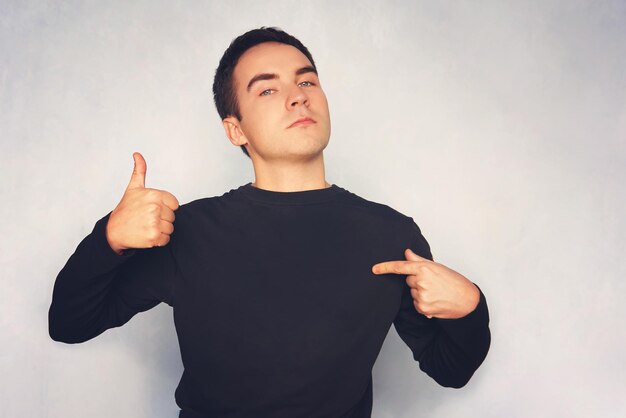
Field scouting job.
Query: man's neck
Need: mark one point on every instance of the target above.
(285, 177)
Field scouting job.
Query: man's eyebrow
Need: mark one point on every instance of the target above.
(272, 76)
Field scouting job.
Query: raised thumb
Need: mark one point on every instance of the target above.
(411, 256)
(138, 178)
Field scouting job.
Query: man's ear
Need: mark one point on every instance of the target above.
(233, 131)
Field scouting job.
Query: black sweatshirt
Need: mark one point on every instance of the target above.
(276, 308)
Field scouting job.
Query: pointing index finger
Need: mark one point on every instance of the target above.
(396, 267)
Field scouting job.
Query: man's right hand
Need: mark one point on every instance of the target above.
(144, 217)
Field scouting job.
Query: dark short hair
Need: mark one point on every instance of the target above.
(224, 93)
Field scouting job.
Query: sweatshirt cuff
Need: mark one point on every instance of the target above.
(464, 328)
(102, 246)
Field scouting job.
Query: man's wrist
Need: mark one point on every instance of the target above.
(119, 250)
(473, 298)
(116, 249)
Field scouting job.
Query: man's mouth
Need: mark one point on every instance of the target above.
(302, 122)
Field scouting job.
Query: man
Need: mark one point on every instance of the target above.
(283, 290)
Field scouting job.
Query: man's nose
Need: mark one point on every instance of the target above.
(298, 96)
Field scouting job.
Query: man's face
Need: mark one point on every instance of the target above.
(275, 86)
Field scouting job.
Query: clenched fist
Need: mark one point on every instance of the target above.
(144, 217)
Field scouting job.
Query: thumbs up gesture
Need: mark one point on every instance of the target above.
(144, 217)
(436, 289)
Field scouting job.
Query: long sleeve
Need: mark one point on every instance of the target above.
(448, 350)
(98, 289)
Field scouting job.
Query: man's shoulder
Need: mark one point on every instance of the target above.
(374, 207)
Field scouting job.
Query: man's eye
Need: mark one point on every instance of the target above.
(263, 92)
(310, 83)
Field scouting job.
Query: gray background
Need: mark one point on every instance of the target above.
(499, 127)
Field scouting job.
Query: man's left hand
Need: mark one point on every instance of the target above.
(437, 290)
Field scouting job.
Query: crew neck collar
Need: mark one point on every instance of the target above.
(302, 197)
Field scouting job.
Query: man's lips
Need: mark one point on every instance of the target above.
(302, 122)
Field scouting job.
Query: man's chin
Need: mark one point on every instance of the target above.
(308, 151)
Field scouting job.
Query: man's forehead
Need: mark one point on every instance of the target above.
(267, 51)
(269, 57)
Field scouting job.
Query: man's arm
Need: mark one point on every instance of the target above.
(448, 346)
(448, 350)
(98, 289)
(123, 267)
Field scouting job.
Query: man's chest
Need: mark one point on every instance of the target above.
(283, 291)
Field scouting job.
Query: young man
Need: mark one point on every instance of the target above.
(283, 290)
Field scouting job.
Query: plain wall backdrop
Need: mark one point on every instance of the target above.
(500, 127)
